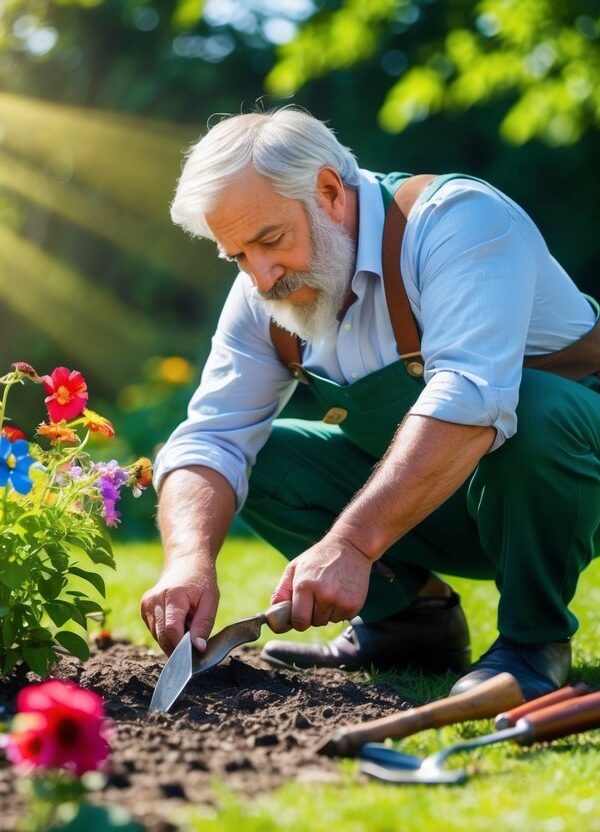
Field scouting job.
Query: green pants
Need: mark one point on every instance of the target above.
(528, 518)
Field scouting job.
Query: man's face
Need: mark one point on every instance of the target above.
(300, 261)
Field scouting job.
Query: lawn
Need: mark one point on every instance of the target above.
(550, 788)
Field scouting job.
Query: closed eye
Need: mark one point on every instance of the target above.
(273, 243)
(235, 258)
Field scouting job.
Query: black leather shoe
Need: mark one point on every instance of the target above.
(538, 668)
(432, 635)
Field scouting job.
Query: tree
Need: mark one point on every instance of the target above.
(541, 56)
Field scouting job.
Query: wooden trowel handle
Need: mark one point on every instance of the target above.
(500, 693)
(279, 617)
(510, 718)
(570, 717)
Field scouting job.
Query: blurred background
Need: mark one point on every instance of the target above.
(100, 98)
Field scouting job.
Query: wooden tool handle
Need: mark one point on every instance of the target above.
(483, 701)
(510, 718)
(279, 617)
(579, 714)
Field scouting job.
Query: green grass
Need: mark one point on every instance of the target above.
(549, 788)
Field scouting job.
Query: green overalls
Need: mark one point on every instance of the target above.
(528, 517)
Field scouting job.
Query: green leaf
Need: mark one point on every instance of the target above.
(8, 631)
(92, 577)
(79, 617)
(39, 634)
(59, 611)
(10, 660)
(50, 588)
(76, 645)
(87, 606)
(39, 659)
(99, 554)
(14, 574)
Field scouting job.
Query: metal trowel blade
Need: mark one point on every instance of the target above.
(186, 661)
(174, 676)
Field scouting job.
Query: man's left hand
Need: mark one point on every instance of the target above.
(328, 582)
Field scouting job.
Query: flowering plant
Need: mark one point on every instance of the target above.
(55, 504)
(59, 740)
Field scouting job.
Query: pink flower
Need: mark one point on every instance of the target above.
(67, 394)
(59, 725)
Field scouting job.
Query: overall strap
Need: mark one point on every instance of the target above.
(404, 326)
(398, 201)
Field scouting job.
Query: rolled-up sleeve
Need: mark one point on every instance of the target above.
(475, 275)
(243, 387)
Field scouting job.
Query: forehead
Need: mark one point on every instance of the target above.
(245, 206)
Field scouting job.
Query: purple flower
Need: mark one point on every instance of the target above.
(113, 471)
(112, 478)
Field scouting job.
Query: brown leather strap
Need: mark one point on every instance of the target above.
(404, 326)
(287, 345)
(577, 361)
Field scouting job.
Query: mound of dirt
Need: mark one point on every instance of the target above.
(242, 723)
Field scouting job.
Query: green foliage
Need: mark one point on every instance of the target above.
(57, 802)
(187, 13)
(40, 545)
(542, 54)
(94, 818)
(52, 540)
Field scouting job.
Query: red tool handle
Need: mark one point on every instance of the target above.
(509, 718)
(570, 717)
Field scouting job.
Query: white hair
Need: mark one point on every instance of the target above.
(288, 146)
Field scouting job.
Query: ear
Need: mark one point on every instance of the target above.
(330, 194)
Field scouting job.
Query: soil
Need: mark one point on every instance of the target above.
(242, 724)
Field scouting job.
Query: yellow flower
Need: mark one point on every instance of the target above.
(98, 424)
(175, 370)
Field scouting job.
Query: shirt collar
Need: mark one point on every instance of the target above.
(371, 217)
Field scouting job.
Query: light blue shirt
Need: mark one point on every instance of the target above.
(483, 288)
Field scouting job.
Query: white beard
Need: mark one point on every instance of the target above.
(330, 272)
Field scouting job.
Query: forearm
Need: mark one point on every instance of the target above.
(195, 510)
(427, 461)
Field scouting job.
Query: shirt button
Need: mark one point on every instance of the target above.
(347, 326)
(354, 375)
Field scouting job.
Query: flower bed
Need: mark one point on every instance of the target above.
(242, 723)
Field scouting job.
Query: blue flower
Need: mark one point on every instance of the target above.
(15, 463)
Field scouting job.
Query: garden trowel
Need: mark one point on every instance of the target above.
(186, 661)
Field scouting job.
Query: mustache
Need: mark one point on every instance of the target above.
(286, 285)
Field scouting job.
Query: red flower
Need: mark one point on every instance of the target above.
(67, 394)
(12, 433)
(59, 725)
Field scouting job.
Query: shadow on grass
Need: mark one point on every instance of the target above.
(414, 685)
(587, 671)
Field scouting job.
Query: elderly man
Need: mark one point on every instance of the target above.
(430, 448)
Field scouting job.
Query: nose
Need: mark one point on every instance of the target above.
(264, 271)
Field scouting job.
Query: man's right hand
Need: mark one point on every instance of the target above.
(186, 596)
